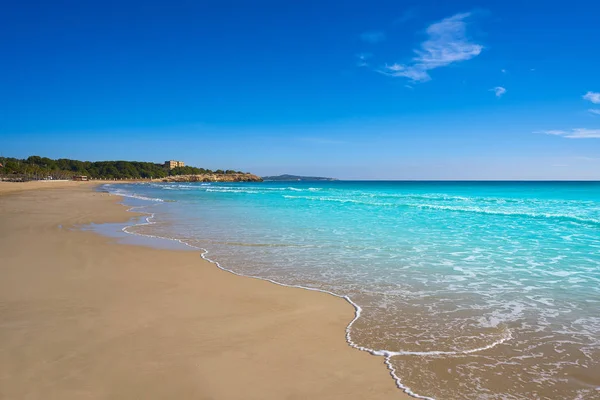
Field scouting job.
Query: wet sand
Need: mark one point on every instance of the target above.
(84, 317)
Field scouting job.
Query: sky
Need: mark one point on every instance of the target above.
(347, 89)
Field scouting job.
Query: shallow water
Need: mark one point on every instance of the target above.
(472, 290)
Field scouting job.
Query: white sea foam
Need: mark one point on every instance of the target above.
(135, 196)
(233, 191)
(480, 210)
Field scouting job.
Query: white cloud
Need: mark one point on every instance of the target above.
(503, 71)
(577, 133)
(594, 97)
(409, 14)
(362, 59)
(320, 140)
(498, 90)
(553, 132)
(447, 43)
(412, 73)
(585, 158)
(373, 37)
(595, 111)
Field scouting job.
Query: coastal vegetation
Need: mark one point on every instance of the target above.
(36, 167)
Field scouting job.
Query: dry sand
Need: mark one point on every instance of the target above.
(83, 317)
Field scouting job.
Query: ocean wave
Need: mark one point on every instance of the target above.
(525, 214)
(121, 193)
(212, 187)
(442, 197)
(232, 191)
(505, 336)
(462, 209)
(333, 199)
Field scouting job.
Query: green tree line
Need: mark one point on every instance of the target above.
(38, 167)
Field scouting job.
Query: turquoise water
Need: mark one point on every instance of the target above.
(470, 290)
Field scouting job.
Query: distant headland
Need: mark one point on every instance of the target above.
(43, 168)
(286, 177)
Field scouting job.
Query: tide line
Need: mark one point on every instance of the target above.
(387, 354)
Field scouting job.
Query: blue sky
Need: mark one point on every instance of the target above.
(355, 90)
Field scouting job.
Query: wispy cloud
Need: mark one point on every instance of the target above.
(447, 43)
(372, 37)
(498, 91)
(595, 111)
(320, 140)
(594, 97)
(406, 16)
(577, 133)
(504, 71)
(362, 59)
(410, 72)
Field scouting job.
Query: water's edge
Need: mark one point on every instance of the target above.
(149, 220)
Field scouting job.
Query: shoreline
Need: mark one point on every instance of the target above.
(285, 356)
(357, 308)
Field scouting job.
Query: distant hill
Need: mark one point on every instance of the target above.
(296, 178)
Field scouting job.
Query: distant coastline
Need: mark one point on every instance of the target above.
(212, 177)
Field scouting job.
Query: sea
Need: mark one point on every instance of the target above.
(466, 290)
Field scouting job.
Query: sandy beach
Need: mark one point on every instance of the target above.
(85, 317)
